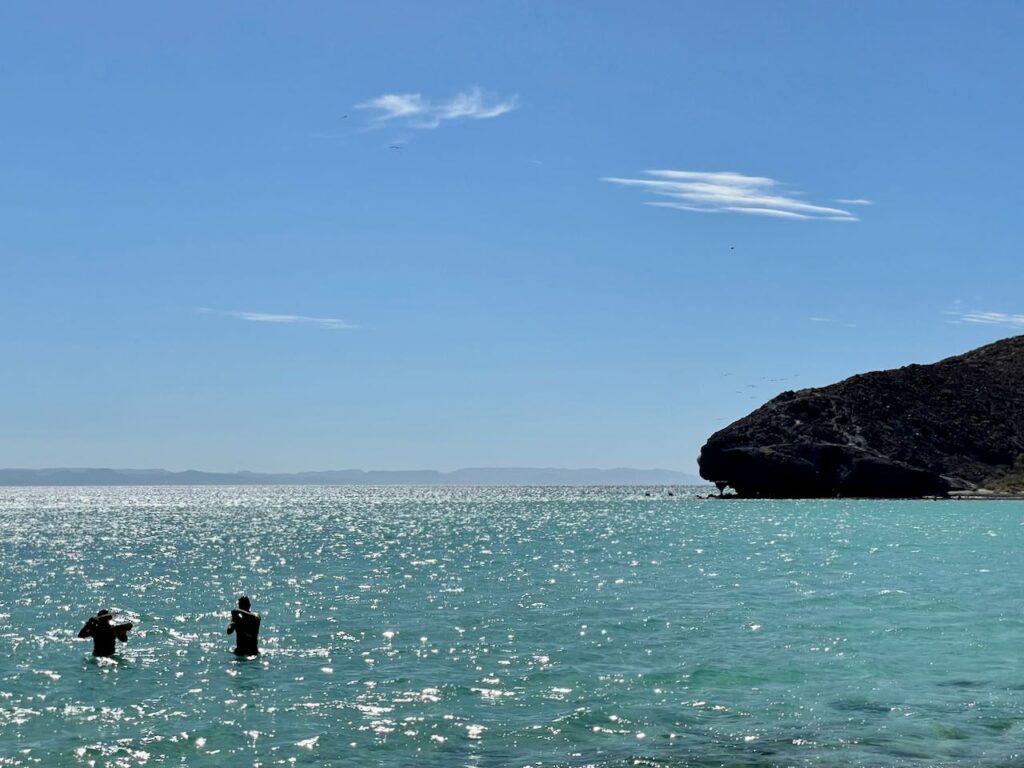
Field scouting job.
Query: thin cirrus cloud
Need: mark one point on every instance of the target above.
(729, 192)
(414, 111)
(819, 319)
(330, 323)
(988, 318)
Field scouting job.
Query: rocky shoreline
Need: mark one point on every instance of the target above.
(952, 428)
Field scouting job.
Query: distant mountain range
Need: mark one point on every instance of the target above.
(463, 477)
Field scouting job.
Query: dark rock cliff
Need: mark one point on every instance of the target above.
(914, 431)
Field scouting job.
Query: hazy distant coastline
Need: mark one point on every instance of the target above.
(459, 477)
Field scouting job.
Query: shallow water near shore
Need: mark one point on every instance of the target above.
(511, 627)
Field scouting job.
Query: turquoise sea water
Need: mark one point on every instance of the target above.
(511, 627)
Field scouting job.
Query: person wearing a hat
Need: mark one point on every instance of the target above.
(103, 633)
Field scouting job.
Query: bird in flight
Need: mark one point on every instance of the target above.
(395, 146)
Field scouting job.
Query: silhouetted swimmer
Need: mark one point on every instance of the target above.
(103, 633)
(246, 627)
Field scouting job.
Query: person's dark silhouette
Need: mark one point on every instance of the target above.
(103, 633)
(246, 627)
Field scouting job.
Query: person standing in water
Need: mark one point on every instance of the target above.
(245, 625)
(103, 633)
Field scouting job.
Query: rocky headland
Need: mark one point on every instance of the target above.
(920, 430)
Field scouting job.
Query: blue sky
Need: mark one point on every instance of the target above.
(211, 257)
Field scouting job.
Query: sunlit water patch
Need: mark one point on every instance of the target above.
(510, 627)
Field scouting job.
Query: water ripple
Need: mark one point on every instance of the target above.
(529, 627)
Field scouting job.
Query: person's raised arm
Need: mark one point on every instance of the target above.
(86, 631)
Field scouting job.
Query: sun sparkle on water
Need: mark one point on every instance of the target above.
(541, 627)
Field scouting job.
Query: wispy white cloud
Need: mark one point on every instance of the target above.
(987, 318)
(392, 105)
(854, 201)
(417, 112)
(818, 319)
(729, 192)
(331, 323)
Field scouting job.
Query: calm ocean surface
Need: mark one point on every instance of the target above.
(511, 627)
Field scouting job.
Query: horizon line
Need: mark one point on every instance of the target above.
(462, 477)
(478, 468)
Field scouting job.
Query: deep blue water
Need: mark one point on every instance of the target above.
(511, 627)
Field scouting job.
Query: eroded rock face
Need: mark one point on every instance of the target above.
(914, 431)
